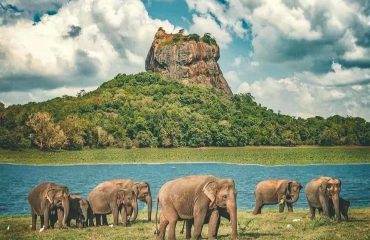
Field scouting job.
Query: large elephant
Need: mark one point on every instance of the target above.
(320, 191)
(273, 191)
(43, 198)
(105, 200)
(141, 189)
(196, 198)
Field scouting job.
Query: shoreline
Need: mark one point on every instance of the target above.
(179, 163)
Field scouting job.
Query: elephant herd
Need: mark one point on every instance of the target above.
(196, 200)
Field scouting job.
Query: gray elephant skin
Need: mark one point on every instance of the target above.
(44, 198)
(107, 198)
(276, 191)
(320, 191)
(196, 198)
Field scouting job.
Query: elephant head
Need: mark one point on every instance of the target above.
(291, 189)
(58, 196)
(222, 193)
(331, 188)
(142, 191)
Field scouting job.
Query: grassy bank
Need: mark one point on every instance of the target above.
(269, 225)
(246, 155)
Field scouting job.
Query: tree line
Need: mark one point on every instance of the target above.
(147, 110)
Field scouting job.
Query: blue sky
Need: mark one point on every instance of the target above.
(303, 58)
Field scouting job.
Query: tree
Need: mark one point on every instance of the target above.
(101, 138)
(73, 128)
(46, 134)
(146, 139)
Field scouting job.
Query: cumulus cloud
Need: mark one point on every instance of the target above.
(291, 68)
(299, 97)
(83, 44)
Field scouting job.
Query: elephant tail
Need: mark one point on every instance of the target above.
(156, 232)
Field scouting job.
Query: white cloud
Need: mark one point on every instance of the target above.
(37, 95)
(114, 37)
(207, 24)
(297, 96)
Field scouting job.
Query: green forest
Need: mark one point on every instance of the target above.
(147, 110)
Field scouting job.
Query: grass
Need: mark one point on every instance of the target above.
(244, 155)
(268, 225)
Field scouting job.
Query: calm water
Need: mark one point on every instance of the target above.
(17, 180)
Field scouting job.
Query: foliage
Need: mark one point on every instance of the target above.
(207, 38)
(147, 110)
(46, 134)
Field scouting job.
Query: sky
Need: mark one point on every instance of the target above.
(298, 57)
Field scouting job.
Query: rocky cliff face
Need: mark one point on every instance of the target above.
(188, 58)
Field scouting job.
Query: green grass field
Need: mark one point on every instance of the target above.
(269, 225)
(245, 155)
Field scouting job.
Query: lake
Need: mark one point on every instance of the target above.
(17, 180)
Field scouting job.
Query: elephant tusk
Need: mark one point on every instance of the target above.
(282, 200)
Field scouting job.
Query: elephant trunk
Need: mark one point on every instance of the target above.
(232, 210)
(65, 205)
(148, 200)
(335, 199)
(135, 207)
(294, 199)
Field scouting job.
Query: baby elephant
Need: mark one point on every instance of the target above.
(79, 210)
(275, 191)
(343, 208)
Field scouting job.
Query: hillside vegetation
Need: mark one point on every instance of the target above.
(146, 110)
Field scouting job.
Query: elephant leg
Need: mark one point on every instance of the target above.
(60, 218)
(188, 225)
(312, 211)
(281, 207)
(34, 219)
(198, 224)
(258, 206)
(98, 219)
(163, 222)
(212, 224)
(104, 219)
(324, 204)
(124, 216)
(290, 207)
(46, 218)
(41, 221)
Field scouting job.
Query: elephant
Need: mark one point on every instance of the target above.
(320, 191)
(105, 200)
(196, 198)
(79, 209)
(343, 208)
(44, 198)
(273, 191)
(189, 223)
(141, 189)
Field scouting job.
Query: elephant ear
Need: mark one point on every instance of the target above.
(324, 186)
(50, 194)
(210, 190)
(136, 188)
(284, 187)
